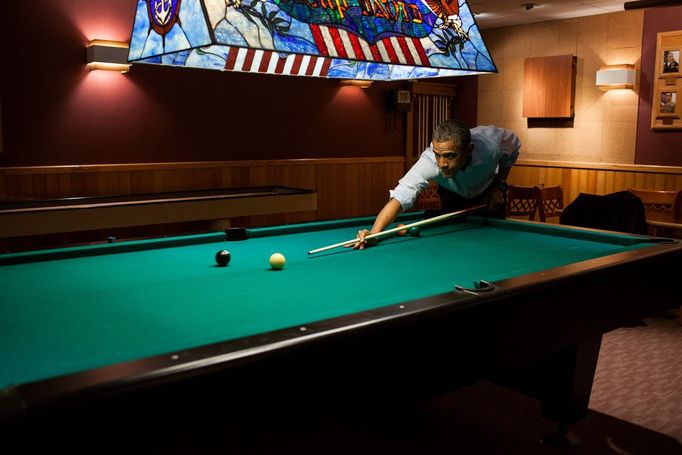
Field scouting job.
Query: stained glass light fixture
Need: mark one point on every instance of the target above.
(345, 39)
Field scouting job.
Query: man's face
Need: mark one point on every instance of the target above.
(665, 97)
(671, 58)
(450, 159)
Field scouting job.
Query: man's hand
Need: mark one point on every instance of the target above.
(362, 243)
(383, 219)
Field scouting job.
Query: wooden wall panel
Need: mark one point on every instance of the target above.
(345, 187)
(594, 178)
(549, 86)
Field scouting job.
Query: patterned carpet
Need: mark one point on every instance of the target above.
(639, 376)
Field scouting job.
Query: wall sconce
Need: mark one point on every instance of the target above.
(616, 76)
(107, 55)
(355, 83)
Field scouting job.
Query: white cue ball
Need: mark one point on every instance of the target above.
(277, 261)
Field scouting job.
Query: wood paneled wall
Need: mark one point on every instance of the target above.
(594, 178)
(346, 187)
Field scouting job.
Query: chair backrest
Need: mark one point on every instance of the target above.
(658, 201)
(428, 199)
(522, 201)
(550, 201)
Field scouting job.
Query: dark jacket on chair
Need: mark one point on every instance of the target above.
(621, 211)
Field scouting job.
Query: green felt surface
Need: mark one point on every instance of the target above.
(123, 302)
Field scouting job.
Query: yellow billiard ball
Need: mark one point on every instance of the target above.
(277, 261)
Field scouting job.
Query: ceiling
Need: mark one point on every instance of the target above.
(503, 13)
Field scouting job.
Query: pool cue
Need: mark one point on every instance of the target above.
(401, 228)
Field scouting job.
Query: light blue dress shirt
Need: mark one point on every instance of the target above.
(493, 147)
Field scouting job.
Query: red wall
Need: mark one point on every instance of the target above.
(56, 112)
(655, 147)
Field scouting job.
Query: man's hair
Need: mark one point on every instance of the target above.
(453, 129)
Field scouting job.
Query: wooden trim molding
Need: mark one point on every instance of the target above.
(434, 89)
(61, 169)
(603, 166)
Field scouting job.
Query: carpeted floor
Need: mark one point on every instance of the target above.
(639, 376)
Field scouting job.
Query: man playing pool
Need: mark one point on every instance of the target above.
(470, 167)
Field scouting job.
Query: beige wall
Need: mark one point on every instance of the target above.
(605, 123)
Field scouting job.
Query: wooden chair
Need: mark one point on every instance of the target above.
(522, 201)
(428, 199)
(658, 201)
(550, 201)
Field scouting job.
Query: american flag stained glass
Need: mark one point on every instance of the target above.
(348, 39)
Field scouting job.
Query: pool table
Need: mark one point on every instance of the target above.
(411, 317)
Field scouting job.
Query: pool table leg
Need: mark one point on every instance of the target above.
(566, 387)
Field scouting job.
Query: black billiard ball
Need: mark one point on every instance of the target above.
(414, 231)
(222, 258)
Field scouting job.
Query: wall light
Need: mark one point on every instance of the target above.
(107, 55)
(355, 83)
(616, 76)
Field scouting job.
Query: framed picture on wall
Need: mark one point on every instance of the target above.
(667, 81)
(670, 62)
(668, 105)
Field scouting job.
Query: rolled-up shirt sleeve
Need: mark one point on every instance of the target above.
(509, 145)
(415, 180)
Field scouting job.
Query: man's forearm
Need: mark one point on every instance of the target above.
(386, 216)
